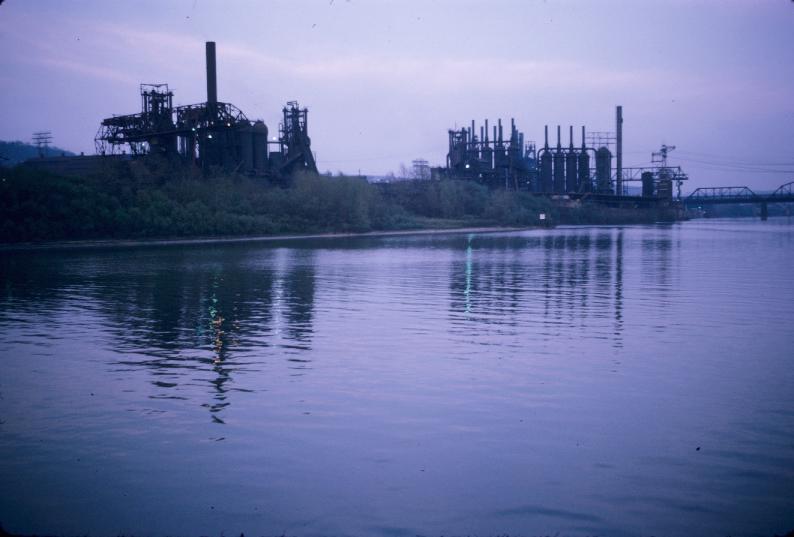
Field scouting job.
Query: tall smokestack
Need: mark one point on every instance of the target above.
(212, 82)
(619, 148)
(546, 135)
(570, 136)
(559, 145)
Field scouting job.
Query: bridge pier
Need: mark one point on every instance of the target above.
(764, 211)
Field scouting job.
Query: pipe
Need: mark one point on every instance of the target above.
(546, 144)
(486, 130)
(570, 136)
(584, 147)
(559, 145)
(212, 82)
(619, 149)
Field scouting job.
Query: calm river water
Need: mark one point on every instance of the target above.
(586, 381)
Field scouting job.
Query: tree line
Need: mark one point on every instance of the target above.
(142, 199)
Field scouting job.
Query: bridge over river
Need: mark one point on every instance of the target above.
(740, 194)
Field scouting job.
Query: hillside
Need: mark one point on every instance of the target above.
(13, 153)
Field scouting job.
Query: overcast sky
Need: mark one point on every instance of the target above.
(383, 81)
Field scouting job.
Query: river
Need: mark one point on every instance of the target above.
(581, 381)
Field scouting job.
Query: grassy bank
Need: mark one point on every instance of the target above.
(138, 202)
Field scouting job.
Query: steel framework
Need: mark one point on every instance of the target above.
(210, 134)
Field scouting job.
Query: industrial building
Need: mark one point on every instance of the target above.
(211, 135)
(216, 135)
(494, 161)
(575, 171)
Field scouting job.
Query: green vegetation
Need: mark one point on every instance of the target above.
(137, 200)
(155, 200)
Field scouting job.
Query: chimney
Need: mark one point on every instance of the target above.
(619, 148)
(212, 82)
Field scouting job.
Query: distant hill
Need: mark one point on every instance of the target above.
(13, 153)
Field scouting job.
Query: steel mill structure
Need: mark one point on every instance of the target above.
(213, 134)
(576, 170)
(216, 135)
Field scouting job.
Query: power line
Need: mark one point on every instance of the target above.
(710, 157)
(42, 140)
(734, 167)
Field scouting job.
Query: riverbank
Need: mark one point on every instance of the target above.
(135, 204)
(122, 243)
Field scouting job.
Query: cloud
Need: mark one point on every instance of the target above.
(433, 76)
(83, 68)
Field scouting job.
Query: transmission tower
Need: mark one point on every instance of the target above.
(42, 140)
(660, 157)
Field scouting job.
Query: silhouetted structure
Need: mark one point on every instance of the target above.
(559, 171)
(213, 134)
(495, 162)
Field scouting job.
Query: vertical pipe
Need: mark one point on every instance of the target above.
(212, 83)
(583, 182)
(500, 132)
(571, 164)
(486, 130)
(546, 131)
(559, 146)
(619, 149)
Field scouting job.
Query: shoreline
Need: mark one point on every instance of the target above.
(137, 243)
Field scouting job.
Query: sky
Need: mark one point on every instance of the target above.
(385, 80)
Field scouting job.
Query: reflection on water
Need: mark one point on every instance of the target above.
(586, 381)
(576, 275)
(178, 312)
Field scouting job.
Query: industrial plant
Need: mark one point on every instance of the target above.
(575, 171)
(217, 136)
(213, 135)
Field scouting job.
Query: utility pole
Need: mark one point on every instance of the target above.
(660, 157)
(42, 140)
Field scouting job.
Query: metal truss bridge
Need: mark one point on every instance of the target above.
(740, 194)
